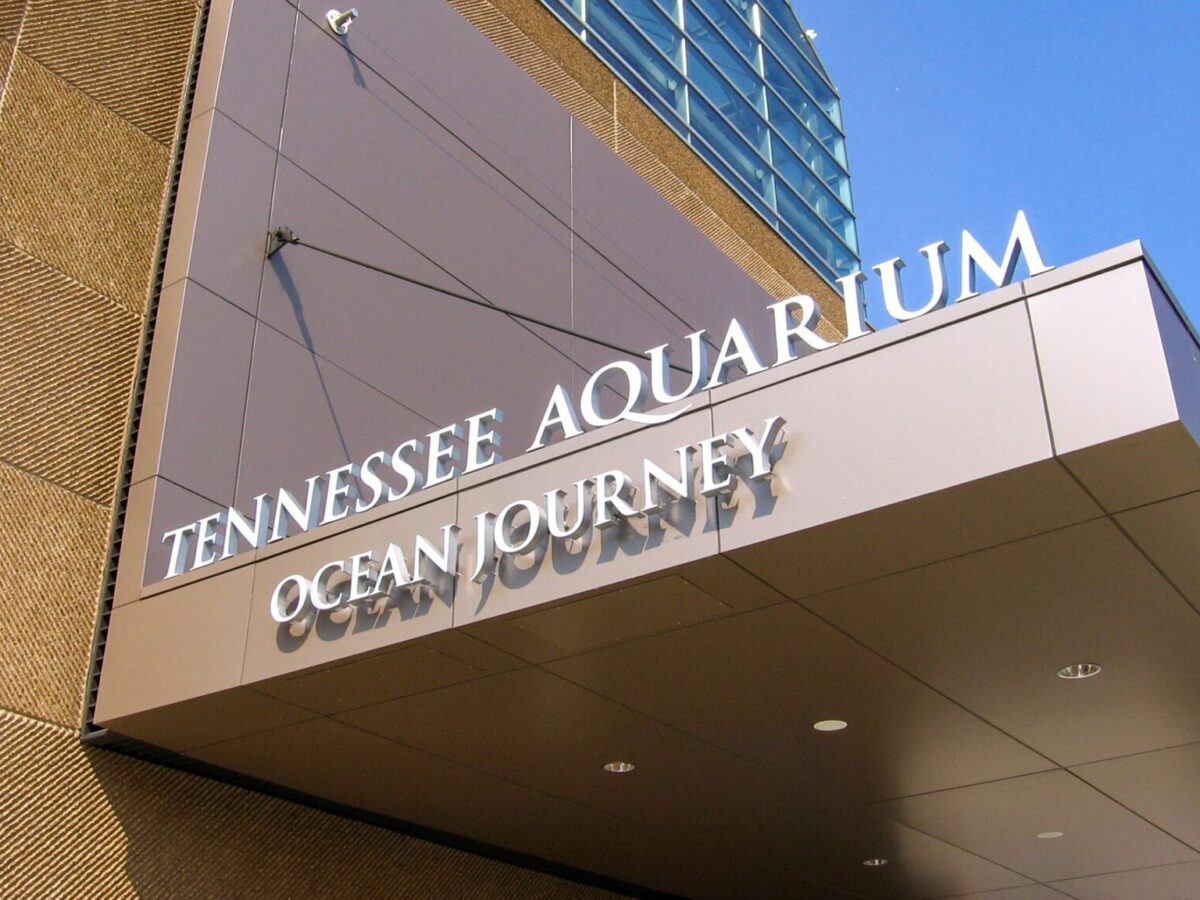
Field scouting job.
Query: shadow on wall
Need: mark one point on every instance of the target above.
(183, 835)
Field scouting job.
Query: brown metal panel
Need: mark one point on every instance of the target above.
(80, 188)
(400, 338)
(202, 432)
(66, 359)
(535, 729)
(1166, 533)
(756, 683)
(175, 646)
(455, 75)
(432, 190)
(559, 62)
(244, 68)
(1002, 821)
(50, 565)
(87, 43)
(991, 629)
(1162, 786)
(864, 434)
(223, 211)
(318, 414)
(1176, 882)
(376, 774)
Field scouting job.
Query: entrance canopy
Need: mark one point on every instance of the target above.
(962, 508)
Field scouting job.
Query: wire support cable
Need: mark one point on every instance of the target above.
(279, 237)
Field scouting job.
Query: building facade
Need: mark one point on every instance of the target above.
(742, 83)
(797, 610)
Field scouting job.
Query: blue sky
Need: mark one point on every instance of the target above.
(1084, 114)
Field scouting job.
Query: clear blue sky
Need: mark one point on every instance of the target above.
(1085, 113)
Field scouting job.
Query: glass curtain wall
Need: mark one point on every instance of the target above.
(739, 81)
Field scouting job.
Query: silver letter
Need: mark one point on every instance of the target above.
(856, 304)
(413, 480)
(478, 437)
(559, 412)
(1020, 240)
(585, 496)
(179, 547)
(712, 464)
(305, 517)
(535, 534)
(614, 489)
(736, 351)
(439, 450)
(760, 449)
(660, 369)
(804, 329)
(658, 481)
(893, 291)
(279, 599)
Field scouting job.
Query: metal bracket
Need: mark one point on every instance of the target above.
(340, 22)
(278, 237)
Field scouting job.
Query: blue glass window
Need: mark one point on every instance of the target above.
(741, 83)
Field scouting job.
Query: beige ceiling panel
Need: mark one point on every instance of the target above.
(756, 683)
(1030, 892)
(531, 727)
(349, 766)
(1166, 533)
(870, 431)
(612, 617)
(991, 630)
(690, 866)
(1163, 787)
(1005, 507)
(1002, 820)
(831, 847)
(210, 719)
(374, 678)
(1139, 468)
(473, 652)
(1179, 882)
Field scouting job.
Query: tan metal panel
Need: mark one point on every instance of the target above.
(50, 565)
(6, 54)
(81, 822)
(67, 356)
(11, 13)
(80, 188)
(131, 59)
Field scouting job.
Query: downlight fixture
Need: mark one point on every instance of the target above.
(829, 725)
(619, 767)
(875, 862)
(1076, 671)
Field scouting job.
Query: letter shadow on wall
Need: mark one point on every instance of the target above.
(331, 624)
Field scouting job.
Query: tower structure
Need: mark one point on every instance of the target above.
(742, 84)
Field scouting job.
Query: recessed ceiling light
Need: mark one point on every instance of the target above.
(875, 861)
(1076, 671)
(619, 767)
(829, 725)
(1050, 835)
